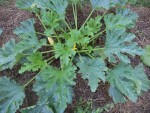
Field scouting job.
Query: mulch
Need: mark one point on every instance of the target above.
(10, 17)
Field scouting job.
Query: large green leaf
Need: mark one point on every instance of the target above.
(37, 109)
(127, 81)
(11, 95)
(26, 29)
(146, 56)
(129, 17)
(8, 56)
(54, 86)
(107, 4)
(117, 96)
(118, 43)
(115, 22)
(11, 52)
(58, 6)
(97, 4)
(35, 63)
(93, 70)
(25, 4)
(29, 40)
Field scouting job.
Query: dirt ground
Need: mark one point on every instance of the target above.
(10, 17)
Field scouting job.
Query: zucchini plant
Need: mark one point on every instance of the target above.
(77, 49)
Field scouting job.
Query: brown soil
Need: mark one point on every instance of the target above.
(11, 17)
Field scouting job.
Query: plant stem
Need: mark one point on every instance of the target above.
(67, 25)
(50, 58)
(40, 33)
(48, 45)
(94, 37)
(32, 79)
(89, 55)
(87, 18)
(104, 13)
(74, 15)
(41, 21)
(47, 51)
(80, 57)
(29, 82)
(74, 7)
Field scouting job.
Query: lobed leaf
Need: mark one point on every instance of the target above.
(107, 4)
(10, 97)
(64, 52)
(146, 56)
(51, 20)
(93, 70)
(11, 52)
(97, 4)
(58, 6)
(127, 81)
(25, 4)
(54, 86)
(29, 40)
(118, 43)
(77, 37)
(8, 56)
(92, 27)
(35, 62)
(115, 21)
(26, 29)
(129, 16)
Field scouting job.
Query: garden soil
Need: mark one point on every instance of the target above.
(10, 17)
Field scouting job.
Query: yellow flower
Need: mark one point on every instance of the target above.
(51, 41)
(74, 47)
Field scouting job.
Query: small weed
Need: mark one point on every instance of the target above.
(87, 107)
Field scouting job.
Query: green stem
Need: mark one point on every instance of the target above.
(104, 13)
(32, 79)
(50, 58)
(67, 25)
(29, 82)
(87, 18)
(40, 33)
(74, 7)
(48, 45)
(62, 30)
(80, 57)
(47, 51)
(94, 37)
(41, 21)
(76, 16)
(89, 55)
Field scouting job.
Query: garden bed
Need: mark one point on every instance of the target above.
(11, 17)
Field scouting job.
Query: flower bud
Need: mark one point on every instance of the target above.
(51, 41)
